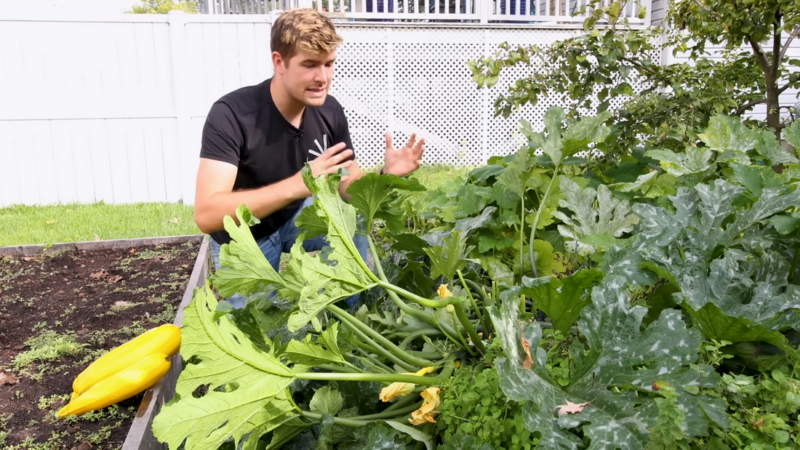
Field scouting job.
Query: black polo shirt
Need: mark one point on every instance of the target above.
(245, 128)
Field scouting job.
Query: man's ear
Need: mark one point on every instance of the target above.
(278, 63)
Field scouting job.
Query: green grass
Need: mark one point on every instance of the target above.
(22, 225)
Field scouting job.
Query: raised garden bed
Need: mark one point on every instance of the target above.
(63, 306)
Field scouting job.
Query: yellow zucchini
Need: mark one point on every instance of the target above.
(122, 385)
(165, 339)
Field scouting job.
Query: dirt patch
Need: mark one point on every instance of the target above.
(60, 312)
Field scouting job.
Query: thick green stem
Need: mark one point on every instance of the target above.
(472, 299)
(368, 359)
(536, 220)
(414, 297)
(382, 342)
(337, 420)
(427, 355)
(413, 312)
(447, 370)
(460, 336)
(415, 334)
(522, 234)
(402, 402)
(338, 368)
(462, 317)
(398, 412)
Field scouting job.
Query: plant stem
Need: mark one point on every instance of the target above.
(414, 297)
(337, 420)
(378, 365)
(415, 334)
(413, 312)
(460, 336)
(793, 268)
(338, 368)
(385, 352)
(447, 370)
(470, 329)
(472, 299)
(522, 235)
(380, 340)
(402, 403)
(536, 220)
(398, 412)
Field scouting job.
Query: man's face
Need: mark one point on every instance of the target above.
(307, 76)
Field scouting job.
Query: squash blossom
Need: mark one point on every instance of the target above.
(429, 407)
(400, 389)
(444, 292)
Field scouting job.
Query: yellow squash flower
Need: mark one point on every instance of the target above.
(429, 407)
(444, 292)
(401, 389)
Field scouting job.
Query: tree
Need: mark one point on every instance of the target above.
(587, 71)
(163, 7)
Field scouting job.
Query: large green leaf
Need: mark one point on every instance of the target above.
(770, 149)
(246, 388)
(728, 134)
(707, 250)
(373, 192)
(326, 350)
(244, 269)
(693, 161)
(615, 374)
(328, 277)
(562, 299)
(612, 216)
(449, 257)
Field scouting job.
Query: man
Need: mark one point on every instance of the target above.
(257, 139)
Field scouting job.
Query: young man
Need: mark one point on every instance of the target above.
(257, 139)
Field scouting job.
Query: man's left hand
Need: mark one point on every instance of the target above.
(354, 173)
(403, 161)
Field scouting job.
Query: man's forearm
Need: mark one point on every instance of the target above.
(210, 212)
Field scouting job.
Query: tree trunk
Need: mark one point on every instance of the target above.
(773, 104)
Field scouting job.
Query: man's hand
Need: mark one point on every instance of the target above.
(354, 173)
(331, 161)
(405, 160)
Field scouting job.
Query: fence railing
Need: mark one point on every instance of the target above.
(546, 12)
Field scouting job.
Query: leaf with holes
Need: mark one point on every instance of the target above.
(245, 386)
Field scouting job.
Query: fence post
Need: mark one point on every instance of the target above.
(485, 8)
(177, 38)
(485, 111)
(390, 81)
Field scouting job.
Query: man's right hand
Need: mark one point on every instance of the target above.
(332, 160)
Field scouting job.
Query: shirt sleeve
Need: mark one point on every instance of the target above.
(222, 135)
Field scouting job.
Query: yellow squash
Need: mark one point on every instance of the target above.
(120, 386)
(165, 339)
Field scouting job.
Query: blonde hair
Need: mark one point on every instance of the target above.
(307, 30)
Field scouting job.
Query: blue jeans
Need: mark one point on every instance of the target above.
(281, 241)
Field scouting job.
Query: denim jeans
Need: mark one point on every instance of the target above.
(281, 241)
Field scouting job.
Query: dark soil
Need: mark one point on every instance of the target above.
(77, 305)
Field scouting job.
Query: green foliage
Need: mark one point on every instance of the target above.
(476, 411)
(163, 7)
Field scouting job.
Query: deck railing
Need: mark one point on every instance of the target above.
(542, 12)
